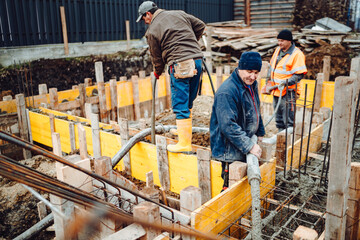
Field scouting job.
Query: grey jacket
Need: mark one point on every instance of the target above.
(173, 36)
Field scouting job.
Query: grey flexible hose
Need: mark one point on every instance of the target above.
(141, 135)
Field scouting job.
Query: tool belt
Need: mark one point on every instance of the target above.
(185, 69)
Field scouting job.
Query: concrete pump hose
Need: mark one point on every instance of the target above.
(254, 178)
(141, 135)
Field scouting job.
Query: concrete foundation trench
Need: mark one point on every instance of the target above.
(168, 196)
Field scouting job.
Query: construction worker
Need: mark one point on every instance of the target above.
(287, 63)
(173, 40)
(236, 115)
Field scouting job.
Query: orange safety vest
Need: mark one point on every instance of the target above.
(290, 64)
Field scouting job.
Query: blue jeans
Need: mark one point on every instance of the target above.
(184, 91)
(280, 116)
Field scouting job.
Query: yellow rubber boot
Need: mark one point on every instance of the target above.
(184, 127)
(174, 131)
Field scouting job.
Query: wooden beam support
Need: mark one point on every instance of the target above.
(23, 125)
(64, 30)
(135, 85)
(326, 68)
(204, 174)
(95, 129)
(340, 158)
(104, 117)
(82, 98)
(163, 162)
(82, 141)
(352, 222)
(319, 86)
(124, 133)
(114, 102)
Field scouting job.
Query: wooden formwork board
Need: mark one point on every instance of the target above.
(314, 145)
(183, 168)
(327, 93)
(222, 210)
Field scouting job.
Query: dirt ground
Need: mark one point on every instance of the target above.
(64, 73)
(18, 207)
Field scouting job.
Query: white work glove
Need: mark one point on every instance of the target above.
(256, 150)
(282, 83)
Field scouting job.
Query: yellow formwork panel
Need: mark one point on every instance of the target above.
(74, 118)
(40, 128)
(206, 86)
(161, 86)
(145, 89)
(108, 96)
(125, 94)
(8, 106)
(327, 93)
(110, 144)
(217, 213)
(89, 90)
(69, 95)
(216, 180)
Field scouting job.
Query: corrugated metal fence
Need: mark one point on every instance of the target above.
(33, 22)
(265, 13)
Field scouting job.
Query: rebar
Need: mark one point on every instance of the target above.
(294, 130)
(309, 135)
(302, 130)
(286, 122)
(326, 151)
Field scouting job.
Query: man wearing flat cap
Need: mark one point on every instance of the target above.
(287, 65)
(236, 115)
(173, 40)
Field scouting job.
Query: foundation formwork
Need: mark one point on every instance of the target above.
(284, 204)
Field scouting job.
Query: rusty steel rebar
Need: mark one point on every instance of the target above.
(302, 130)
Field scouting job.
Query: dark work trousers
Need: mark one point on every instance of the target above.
(280, 116)
(184, 91)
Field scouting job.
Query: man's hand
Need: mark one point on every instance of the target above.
(256, 150)
(157, 76)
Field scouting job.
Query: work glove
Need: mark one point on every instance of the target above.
(157, 76)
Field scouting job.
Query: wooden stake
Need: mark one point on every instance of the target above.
(150, 179)
(114, 102)
(340, 158)
(82, 141)
(135, 85)
(204, 157)
(124, 133)
(163, 162)
(127, 26)
(319, 84)
(29, 125)
(88, 110)
(54, 98)
(326, 68)
(82, 97)
(87, 82)
(352, 222)
(72, 136)
(101, 90)
(227, 70)
(23, 125)
(64, 30)
(95, 135)
(247, 13)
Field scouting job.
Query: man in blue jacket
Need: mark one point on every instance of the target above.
(236, 115)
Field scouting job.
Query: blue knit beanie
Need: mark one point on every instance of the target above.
(250, 61)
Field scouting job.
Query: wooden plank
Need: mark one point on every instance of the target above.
(319, 85)
(113, 93)
(219, 77)
(204, 173)
(23, 126)
(82, 141)
(64, 30)
(150, 180)
(54, 98)
(72, 136)
(326, 68)
(101, 91)
(82, 99)
(127, 26)
(163, 162)
(95, 135)
(135, 85)
(231, 203)
(340, 158)
(352, 221)
(124, 133)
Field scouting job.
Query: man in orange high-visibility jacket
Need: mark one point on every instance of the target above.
(287, 63)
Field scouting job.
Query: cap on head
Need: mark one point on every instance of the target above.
(250, 61)
(145, 7)
(285, 35)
